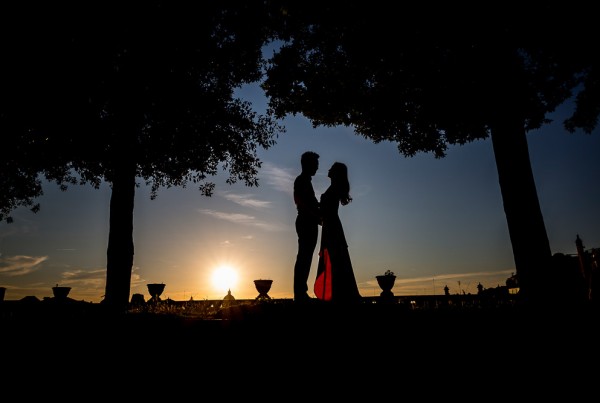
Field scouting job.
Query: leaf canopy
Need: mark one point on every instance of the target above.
(89, 85)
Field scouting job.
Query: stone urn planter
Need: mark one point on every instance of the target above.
(155, 290)
(137, 300)
(386, 283)
(60, 293)
(263, 287)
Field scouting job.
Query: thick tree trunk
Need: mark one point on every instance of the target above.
(531, 249)
(120, 238)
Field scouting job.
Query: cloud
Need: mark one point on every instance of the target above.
(20, 265)
(84, 275)
(238, 218)
(457, 276)
(136, 278)
(245, 200)
(279, 178)
(435, 284)
(90, 283)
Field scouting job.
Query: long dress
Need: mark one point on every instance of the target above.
(335, 276)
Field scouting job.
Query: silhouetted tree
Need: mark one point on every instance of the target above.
(107, 91)
(425, 77)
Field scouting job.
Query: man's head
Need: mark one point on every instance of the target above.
(310, 162)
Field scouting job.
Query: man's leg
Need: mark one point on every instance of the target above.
(307, 242)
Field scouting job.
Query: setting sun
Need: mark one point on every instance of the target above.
(224, 278)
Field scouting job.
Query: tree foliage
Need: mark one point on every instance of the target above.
(149, 81)
(428, 76)
(113, 91)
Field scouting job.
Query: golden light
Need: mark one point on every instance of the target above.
(224, 278)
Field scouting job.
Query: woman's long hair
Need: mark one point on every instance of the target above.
(339, 180)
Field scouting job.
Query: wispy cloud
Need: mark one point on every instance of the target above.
(20, 265)
(136, 278)
(93, 278)
(435, 284)
(245, 200)
(83, 275)
(88, 284)
(238, 218)
(279, 178)
(457, 276)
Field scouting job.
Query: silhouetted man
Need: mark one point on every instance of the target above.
(307, 223)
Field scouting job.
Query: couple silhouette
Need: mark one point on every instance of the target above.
(335, 279)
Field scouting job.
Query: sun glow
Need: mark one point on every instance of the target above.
(224, 278)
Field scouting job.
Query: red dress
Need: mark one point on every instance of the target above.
(335, 276)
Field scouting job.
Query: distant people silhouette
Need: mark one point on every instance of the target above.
(308, 220)
(335, 277)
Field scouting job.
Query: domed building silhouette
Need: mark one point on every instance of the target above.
(228, 300)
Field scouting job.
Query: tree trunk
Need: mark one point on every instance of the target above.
(531, 249)
(120, 237)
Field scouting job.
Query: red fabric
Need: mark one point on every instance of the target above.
(323, 282)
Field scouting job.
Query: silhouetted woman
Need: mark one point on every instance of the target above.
(335, 276)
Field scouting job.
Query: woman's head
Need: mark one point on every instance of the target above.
(338, 170)
(339, 179)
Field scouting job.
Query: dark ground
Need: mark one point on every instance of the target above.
(291, 345)
(268, 324)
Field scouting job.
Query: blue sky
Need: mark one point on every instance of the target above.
(434, 222)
